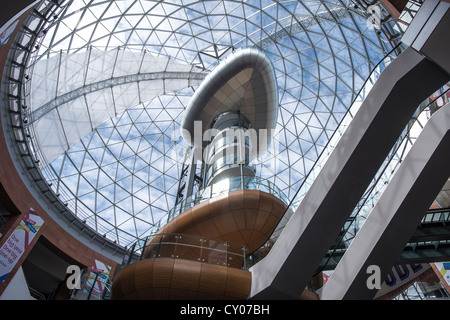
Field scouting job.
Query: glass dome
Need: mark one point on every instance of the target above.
(110, 81)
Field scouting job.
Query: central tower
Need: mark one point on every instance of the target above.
(223, 210)
(231, 117)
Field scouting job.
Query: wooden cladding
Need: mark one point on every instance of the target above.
(167, 278)
(245, 217)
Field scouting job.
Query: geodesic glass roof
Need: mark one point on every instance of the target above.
(111, 80)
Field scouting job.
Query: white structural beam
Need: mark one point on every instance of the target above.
(396, 215)
(193, 78)
(314, 226)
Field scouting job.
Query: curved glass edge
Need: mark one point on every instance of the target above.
(225, 186)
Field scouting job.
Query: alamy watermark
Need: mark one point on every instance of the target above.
(374, 21)
(74, 279)
(374, 279)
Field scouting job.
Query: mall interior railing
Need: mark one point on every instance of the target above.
(424, 290)
(196, 248)
(189, 247)
(376, 189)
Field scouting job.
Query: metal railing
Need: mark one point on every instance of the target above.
(386, 172)
(189, 247)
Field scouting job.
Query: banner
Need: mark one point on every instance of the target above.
(18, 242)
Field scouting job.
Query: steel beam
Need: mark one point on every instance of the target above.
(312, 229)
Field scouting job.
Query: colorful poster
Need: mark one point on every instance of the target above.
(444, 269)
(98, 276)
(18, 242)
(5, 32)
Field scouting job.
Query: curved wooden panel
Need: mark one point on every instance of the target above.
(246, 217)
(166, 278)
